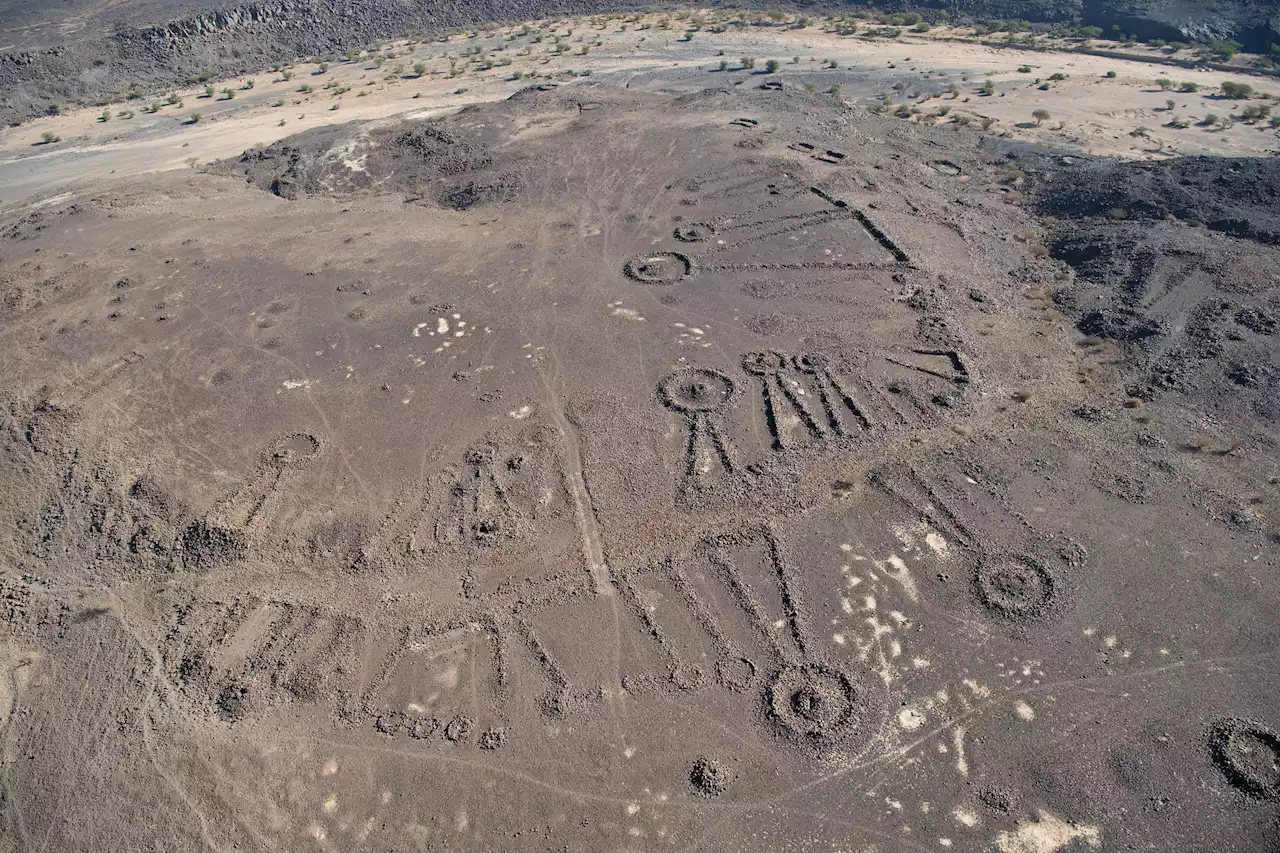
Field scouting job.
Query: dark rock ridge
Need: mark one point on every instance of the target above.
(236, 40)
(244, 38)
(1256, 25)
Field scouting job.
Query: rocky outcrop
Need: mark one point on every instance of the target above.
(1256, 25)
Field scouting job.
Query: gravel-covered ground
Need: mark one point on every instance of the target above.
(601, 469)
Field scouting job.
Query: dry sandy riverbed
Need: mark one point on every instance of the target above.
(1122, 115)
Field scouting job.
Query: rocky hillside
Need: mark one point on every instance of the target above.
(248, 37)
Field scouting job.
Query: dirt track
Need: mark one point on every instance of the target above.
(598, 469)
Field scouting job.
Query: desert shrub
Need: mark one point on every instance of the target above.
(1165, 84)
(49, 137)
(771, 66)
(1223, 49)
(194, 119)
(1024, 69)
(748, 62)
(1041, 116)
(988, 88)
(1189, 87)
(1236, 91)
(419, 68)
(1111, 75)
(1057, 76)
(106, 115)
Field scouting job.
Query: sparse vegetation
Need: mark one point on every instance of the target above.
(1041, 116)
(1255, 113)
(1237, 91)
(771, 67)
(194, 118)
(1164, 83)
(49, 137)
(1189, 87)
(1224, 50)
(988, 88)
(419, 68)
(106, 115)
(1111, 75)
(748, 62)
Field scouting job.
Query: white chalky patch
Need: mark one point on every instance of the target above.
(1047, 834)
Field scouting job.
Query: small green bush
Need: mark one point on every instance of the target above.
(1237, 91)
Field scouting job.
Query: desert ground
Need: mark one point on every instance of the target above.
(1101, 105)
(506, 457)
